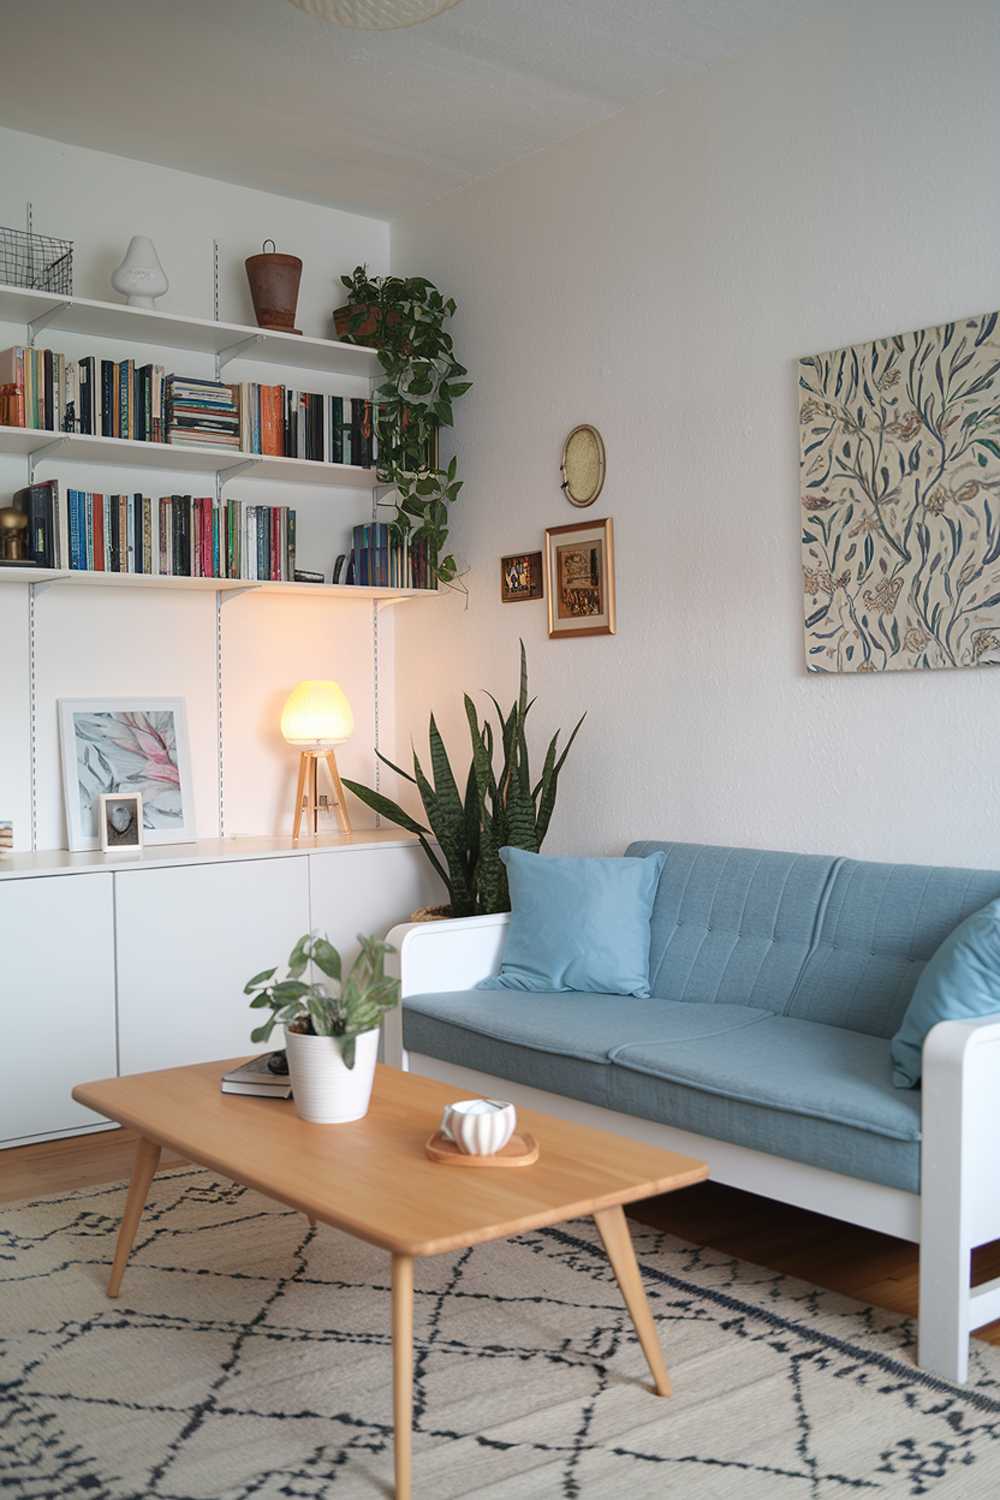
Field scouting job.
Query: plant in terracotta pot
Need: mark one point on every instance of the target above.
(331, 1025)
(403, 319)
(495, 811)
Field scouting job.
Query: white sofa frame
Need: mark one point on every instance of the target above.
(957, 1208)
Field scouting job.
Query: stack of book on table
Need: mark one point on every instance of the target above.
(256, 1077)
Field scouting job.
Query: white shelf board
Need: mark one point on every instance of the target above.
(77, 447)
(77, 578)
(140, 325)
(205, 851)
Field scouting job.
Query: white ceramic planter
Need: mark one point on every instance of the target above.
(325, 1091)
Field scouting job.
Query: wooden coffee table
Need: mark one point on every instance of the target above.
(372, 1179)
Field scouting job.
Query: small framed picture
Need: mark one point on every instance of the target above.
(521, 577)
(119, 818)
(580, 578)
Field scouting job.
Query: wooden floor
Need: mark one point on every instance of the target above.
(858, 1262)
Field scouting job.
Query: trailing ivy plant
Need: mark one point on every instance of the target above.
(421, 381)
(470, 828)
(344, 1012)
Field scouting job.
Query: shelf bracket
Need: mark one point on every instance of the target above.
(234, 469)
(235, 350)
(47, 450)
(224, 595)
(46, 583)
(36, 325)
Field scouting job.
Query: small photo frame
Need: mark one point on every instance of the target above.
(119, 818)
(580, 578)
(520, 577)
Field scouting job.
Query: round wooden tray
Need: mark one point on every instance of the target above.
(520, 1151)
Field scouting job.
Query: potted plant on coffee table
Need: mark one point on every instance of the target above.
(331, 1025)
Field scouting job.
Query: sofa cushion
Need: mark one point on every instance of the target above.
(733, 926)
(812, 1093)
(960, 983)
(879, 927)
(577, 924)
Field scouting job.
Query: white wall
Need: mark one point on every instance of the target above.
(659, 276)
(93, 642)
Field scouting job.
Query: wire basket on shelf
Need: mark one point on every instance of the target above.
(38, 261)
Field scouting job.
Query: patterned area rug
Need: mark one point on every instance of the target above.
(249, 1356)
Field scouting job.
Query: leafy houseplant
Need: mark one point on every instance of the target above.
(403, 318)
(331, 1031)
(471, 829)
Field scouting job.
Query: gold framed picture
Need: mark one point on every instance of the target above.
(520, 577)
(580, 578)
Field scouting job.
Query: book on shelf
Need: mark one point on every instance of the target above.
(40, 503)
(285, 423)
(99, 397)
(177, 536)
(202, 412)
(382, 558)
(256, 1077)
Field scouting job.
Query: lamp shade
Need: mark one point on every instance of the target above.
(317, 714)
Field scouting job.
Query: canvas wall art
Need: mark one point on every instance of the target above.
(123, 745)
(900, 487)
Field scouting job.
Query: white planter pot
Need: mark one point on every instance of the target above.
(325, 1091)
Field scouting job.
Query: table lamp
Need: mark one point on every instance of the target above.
(316, 717)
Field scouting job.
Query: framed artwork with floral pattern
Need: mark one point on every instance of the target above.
(900, 495)
(122, 746)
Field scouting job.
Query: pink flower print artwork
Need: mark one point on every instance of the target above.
(129, 751)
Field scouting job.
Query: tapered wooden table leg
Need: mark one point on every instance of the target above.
(618, 1243)
(147, 1159)
(402, 1369)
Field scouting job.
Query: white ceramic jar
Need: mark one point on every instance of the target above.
(479, 1127)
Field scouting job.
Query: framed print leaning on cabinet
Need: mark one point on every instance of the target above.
(580, 578)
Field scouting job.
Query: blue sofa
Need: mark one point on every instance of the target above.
(777, 980)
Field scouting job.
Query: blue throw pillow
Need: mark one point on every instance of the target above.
(961, 983)
(578, 924)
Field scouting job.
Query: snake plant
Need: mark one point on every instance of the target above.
(471, 826)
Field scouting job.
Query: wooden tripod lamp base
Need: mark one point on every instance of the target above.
(307, 792)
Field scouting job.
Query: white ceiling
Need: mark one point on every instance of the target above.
(259, 93)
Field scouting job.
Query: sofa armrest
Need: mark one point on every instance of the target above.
(961, 1085)
(437, 956)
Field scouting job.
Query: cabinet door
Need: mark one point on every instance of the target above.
(57, 996)
(368, 891)
(189, 937)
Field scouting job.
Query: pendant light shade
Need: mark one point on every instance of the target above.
(375, 15)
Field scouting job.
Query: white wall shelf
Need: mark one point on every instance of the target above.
(50, 312)
(204, 851)
(80, 578)
(39, 445)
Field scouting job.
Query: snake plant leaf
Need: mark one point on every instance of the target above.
(473, 817)
(384, 806)
(393, 767)
(547, 798)
(491, 878)
(446, 815)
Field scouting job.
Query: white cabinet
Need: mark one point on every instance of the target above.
(367, 891)
(57, 999)
(188, 940)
